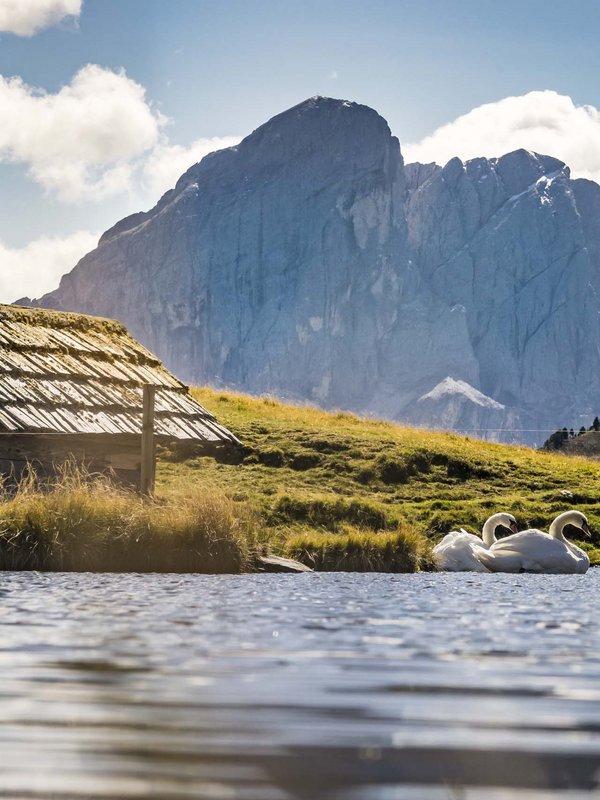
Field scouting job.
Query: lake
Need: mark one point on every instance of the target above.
(269, 687)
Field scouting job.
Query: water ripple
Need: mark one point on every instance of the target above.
(357, 687)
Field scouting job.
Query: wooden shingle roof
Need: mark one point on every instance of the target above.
(68, 373)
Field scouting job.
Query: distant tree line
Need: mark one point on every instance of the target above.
(556, 440)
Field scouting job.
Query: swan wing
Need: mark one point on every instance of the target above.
(530, 551)
(458, 536)
(456, 553)
(580, 557)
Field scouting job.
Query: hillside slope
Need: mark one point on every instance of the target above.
(586, 445)
(313, 475)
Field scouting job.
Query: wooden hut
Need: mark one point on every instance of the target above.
(72, 386)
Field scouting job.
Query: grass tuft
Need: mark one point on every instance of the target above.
(358, 550)
(330, 512)
(83, 523)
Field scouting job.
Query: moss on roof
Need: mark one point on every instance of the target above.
(62, 372)
(62, 320)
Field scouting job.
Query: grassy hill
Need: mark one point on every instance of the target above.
(333, 490)
(340, 491)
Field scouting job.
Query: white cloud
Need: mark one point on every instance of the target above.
(81, 141)
(37, 267)
(166, 163)
(332, 75)
(26, 17)
(545, 122)
(94, 138)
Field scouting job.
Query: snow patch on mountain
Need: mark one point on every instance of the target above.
(451, 387)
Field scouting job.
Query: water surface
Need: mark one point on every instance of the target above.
(357, 687)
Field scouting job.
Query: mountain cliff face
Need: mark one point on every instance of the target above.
(310, 262)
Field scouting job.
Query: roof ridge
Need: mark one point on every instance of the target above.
(32, 315)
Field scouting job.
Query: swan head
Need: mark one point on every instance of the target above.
(512, 523)
(575, 518)
(504, 519)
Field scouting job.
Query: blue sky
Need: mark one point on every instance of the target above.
(116, 98)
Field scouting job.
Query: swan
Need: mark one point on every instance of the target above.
(459, 551)
(535, 551)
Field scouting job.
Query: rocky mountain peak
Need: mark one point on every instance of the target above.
(319, 139)
(521, 168)
(309, 262)
(322, 122)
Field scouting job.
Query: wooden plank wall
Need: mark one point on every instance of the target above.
(117, 454)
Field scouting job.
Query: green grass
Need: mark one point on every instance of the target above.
(357, 550)
(321, 481)
(331, 489)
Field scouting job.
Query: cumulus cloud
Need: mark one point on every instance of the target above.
(96, 137)
(36, 268)
(166, 163)
(82, 139)
(26, 17)
(543, 121)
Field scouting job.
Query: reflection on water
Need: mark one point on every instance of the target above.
(356, 687)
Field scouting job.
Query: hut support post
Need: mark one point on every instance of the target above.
(148, 468)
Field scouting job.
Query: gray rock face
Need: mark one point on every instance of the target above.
(310, 262)
(514, 241)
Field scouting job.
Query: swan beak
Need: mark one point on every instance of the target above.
(586, 530)
(513, 527)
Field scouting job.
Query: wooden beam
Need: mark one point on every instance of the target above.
(148, 469)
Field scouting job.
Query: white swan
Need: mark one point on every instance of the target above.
(535, 551)
(459, 551)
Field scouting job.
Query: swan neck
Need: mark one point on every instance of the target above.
(488, 532)
(556, 529)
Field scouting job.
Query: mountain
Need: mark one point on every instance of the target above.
(312, 263)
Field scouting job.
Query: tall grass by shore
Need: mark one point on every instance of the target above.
(353, 549)
(83, 523)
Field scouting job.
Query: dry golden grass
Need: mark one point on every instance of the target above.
(83, 523)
